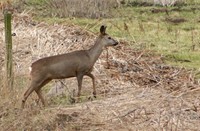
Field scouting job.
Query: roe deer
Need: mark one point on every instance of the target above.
(74, 64)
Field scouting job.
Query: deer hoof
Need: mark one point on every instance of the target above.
(90, 98)
(94, 94)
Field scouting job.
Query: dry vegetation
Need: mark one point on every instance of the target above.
(86, 8)
(136, 90)
(70, 8)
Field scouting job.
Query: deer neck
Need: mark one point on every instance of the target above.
(96, 50)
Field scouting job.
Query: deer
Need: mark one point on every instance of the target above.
(74, 64)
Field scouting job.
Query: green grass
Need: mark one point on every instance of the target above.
(184, 59)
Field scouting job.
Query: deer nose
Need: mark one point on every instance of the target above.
(116, 43)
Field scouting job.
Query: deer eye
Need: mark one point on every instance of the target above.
(109, 37)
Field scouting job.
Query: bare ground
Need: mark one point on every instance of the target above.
(136, 90)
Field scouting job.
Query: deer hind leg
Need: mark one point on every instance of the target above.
(35, 85)
(39, 92)
(26, 94)
(93, 82)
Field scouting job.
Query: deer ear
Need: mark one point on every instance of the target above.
(103, 29)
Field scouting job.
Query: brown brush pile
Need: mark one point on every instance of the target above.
(136, 90)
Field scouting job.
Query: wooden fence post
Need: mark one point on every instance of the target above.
(8, 42)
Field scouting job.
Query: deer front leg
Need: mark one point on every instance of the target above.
(79, 79)
(93, 83)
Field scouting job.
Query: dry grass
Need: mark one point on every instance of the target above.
(136, 91)
(77, 8)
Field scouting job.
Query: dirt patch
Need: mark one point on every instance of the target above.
(136, 89)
